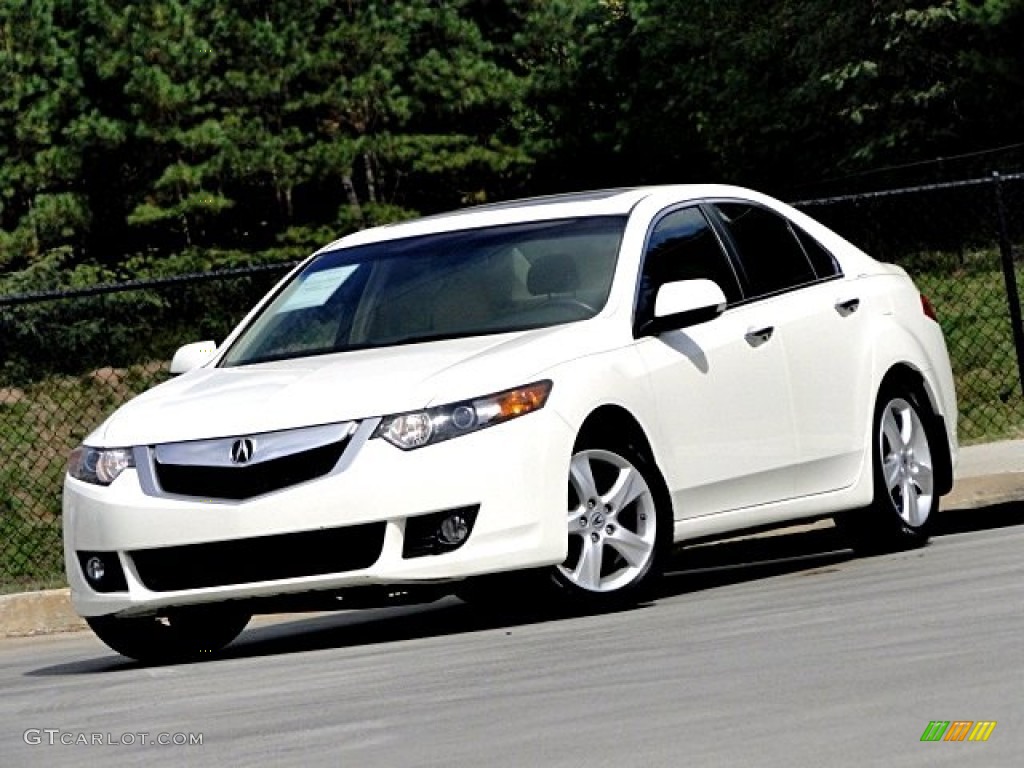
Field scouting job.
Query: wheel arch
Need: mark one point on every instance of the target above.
(907, 377)
(614, 425)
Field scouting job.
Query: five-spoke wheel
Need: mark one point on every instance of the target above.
(615, 538)
(906, 462)
(902, 513)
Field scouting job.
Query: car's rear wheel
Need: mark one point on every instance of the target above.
(618, 525)
(902, 514)
(180, 635)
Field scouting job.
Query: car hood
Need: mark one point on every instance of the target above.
(222, 402)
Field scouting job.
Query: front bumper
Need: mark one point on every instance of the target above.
(513, 475)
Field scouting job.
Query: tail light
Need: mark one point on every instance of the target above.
(929, 310)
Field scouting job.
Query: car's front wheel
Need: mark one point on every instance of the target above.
(902, 513)
(618, 526)
(181, 635)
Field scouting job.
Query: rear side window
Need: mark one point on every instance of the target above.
(770, 254)
(683, 246)
(824, 263)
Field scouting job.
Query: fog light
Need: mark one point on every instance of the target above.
(439, 532)
(102, 571)
(454, 529)
(95, 569)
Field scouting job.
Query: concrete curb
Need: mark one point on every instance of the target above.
(49, 611)
(986, 491)
(38, 613)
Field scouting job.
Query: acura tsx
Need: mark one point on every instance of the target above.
(554, 390)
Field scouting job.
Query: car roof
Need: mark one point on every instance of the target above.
(601, 202)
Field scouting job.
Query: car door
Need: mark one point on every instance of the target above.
(720, 387)
(819, 327)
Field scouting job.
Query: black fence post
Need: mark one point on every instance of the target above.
(1010, 277)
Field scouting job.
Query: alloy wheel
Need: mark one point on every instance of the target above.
(612, 523)
(906, 459)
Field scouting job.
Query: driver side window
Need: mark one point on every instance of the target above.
(683, 246)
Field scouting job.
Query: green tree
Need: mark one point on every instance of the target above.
(41, 202)
(898, 86)
(416, 113)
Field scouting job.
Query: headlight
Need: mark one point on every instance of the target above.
(99, 466)
(434, 425)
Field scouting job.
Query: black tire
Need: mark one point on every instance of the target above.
(180, 635)
(619, 526)
(903, 461)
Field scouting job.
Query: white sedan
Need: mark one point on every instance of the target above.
(553, 390)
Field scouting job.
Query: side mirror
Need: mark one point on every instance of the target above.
(192, 356)
(683, 303)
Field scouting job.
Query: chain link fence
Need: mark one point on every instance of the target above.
(67, 359)
(961, 242)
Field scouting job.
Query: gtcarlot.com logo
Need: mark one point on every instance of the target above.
(958, 730)
(55, 736)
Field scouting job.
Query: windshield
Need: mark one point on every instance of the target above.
(442, 286)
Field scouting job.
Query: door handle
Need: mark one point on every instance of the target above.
(848, 307)
(757, 337)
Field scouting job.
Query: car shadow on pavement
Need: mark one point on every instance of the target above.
(332, 630)
(717, 564)
(981, 518)
(807, 550)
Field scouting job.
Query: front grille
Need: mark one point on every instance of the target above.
(264, 558)
(244, 482)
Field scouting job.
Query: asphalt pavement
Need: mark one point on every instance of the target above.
(780, 651)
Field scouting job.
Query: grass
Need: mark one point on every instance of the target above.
(41, 422)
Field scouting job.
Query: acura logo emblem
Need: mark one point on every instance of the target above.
(241, 451)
